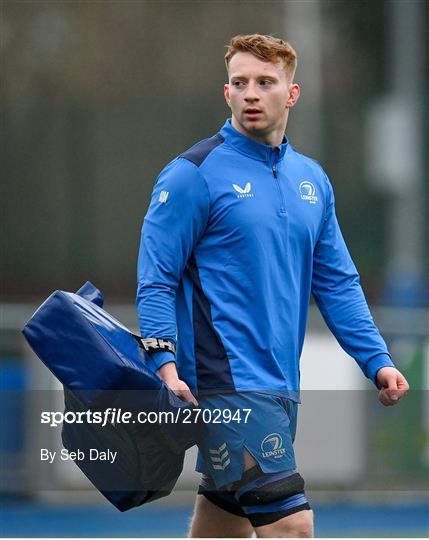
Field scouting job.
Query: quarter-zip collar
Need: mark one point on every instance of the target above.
(253, 149)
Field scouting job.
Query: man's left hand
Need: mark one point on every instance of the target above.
(393, 386)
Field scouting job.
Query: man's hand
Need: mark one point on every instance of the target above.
(168, 374)
(393, 385)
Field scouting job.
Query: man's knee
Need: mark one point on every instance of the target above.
(298, 525)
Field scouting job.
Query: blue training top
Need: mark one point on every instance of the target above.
(237, 236)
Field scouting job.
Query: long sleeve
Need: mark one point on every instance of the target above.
(176, 218)
(339, 296)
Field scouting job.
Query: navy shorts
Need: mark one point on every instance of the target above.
(263, 425)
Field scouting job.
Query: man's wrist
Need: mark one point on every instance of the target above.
(156, 360)
(376, 363)
(168, 372)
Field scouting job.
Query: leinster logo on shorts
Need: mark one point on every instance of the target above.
(220, 457)
(308, 192)
(271, 446)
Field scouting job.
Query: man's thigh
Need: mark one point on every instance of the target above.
(210, 521)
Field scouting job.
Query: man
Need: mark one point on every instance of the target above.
(240, 231)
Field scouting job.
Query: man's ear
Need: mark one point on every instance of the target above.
(294, 93)
(226, 93)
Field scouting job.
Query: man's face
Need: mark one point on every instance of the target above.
(259, 94)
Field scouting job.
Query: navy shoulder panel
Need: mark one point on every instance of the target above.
(198, 153)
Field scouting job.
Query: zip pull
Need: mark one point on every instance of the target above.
(274, 171)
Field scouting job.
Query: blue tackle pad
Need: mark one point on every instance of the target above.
(102, 365)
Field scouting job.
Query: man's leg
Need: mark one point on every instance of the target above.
(210, 521)
(273, 502)
(299, 525)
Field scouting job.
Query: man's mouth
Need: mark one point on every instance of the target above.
(252, 112)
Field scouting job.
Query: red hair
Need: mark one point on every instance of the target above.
(266, 48)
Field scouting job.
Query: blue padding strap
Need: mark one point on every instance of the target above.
(278, 506)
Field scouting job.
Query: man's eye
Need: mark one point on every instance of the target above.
(237, 84)
(266, 82)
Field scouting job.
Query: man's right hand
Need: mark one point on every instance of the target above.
(168, 373)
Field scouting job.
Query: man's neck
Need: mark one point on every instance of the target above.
(273, 138)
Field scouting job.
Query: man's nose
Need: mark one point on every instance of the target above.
(251, 93)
